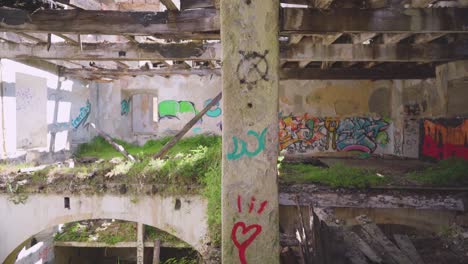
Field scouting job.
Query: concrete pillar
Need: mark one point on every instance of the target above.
(441, 108)
(140, 243)
(249, 34)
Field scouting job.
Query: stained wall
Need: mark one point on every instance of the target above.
(41, 115)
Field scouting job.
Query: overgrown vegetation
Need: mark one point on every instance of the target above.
(192, 161)
(152, 233)
(449, 172)
(338, 175)
(184, 260)
(98, 231)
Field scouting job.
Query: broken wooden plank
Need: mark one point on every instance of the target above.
(115, 145)
(187, 127)
(424, 20)
(391, 253)
(353, 239)
(405, 244)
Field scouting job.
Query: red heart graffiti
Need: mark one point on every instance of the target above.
(242, 246)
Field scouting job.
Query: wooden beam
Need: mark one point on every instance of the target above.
(448, 20)
(306, 51)
(113, 51)
(186, 23)
(187, 127)
(204, 23)
(90, 74)
(303, 51)
(417, 72)
(194, 4)
(169, 4)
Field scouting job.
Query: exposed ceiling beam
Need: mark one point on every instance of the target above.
(115, 74)
(204, 23)
(376, 52)
(114, 51)
(302, 51)
(375, 20)
(186, 23)
(419, 72)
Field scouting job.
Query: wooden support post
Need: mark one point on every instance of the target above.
(140, 244)
(249, 35)
(187, 127)
(109, 140)
(156, 251)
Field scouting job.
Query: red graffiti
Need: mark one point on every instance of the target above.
(242, 234)
(445, 138)
(247, 239)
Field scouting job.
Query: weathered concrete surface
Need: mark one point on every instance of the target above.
(249, 34)
(21, 221)
(37, 112)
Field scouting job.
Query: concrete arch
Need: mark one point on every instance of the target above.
(18, 222)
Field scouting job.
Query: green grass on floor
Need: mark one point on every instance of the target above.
(152, 233)
(193, 160)
(449, 172)
(338, 175)
(99, 148)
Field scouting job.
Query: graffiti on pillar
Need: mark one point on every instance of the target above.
(242, 234)
(83, 116)
(171, 108)
(304, 133)
(238, 152)
(215, 111)
(252, 67)
(125, 106)
(444, 138)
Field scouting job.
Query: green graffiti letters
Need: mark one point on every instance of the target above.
(234, 155)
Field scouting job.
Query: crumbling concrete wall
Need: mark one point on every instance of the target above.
(41, 115)
(141, 108)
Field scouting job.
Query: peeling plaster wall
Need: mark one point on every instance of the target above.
(37, 110)
(176, 101)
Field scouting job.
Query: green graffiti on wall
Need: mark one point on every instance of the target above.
(171, 108)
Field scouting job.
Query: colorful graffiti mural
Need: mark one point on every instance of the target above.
(171, 108)
(83, 116)
(306, 133)
(444, 138)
